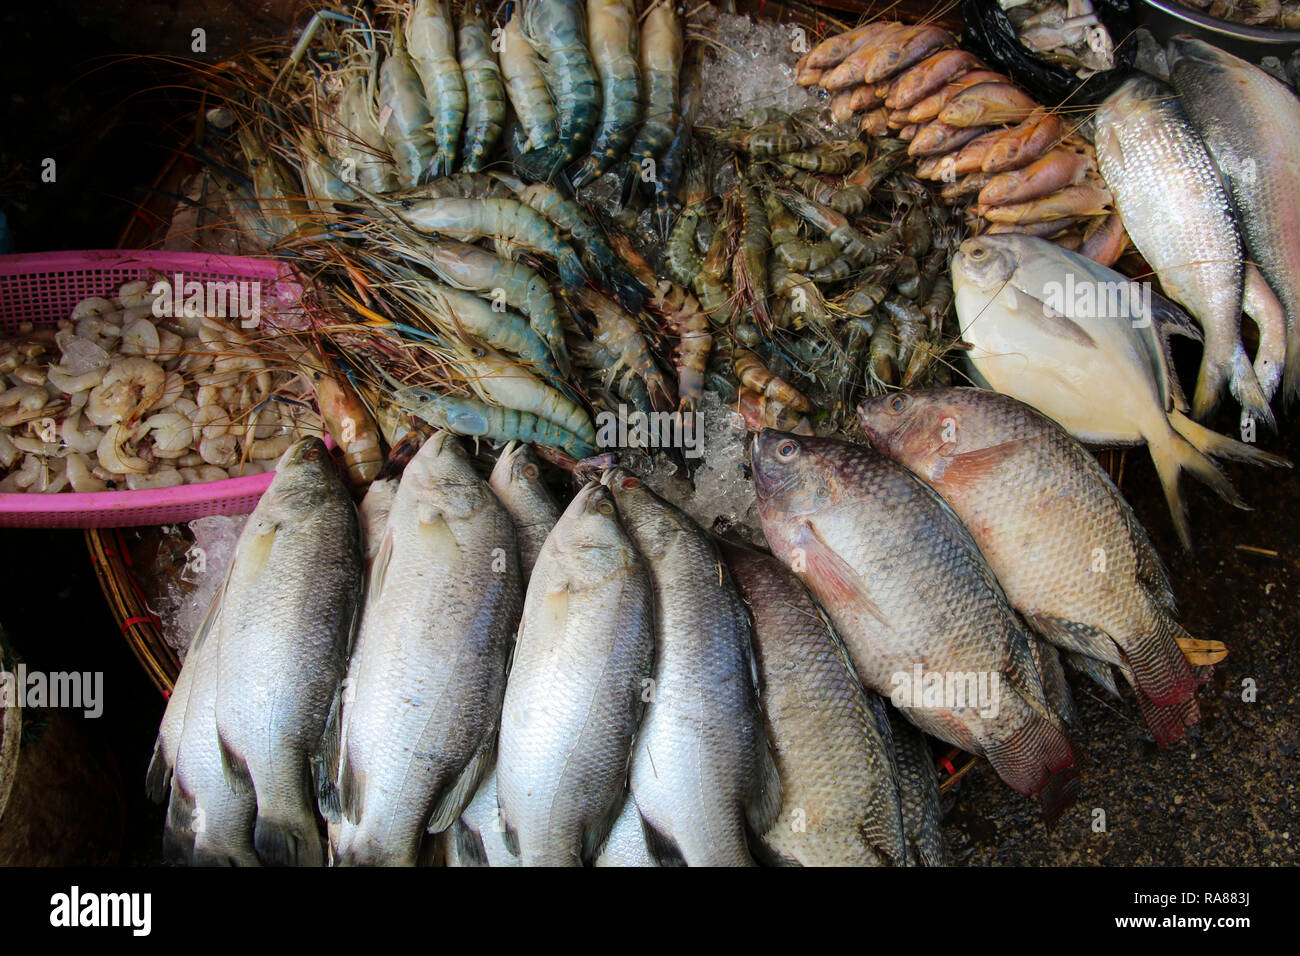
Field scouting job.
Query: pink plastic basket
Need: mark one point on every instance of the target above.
(42, 288)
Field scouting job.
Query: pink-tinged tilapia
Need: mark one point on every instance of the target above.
(840, 794)
(1180, 217)
(1250, 123)
(921, 613)
(1065, 546)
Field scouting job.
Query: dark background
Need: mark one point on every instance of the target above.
(1228, 794)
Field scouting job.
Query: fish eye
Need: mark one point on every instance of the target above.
(898, 403)
(605, 506)
(787, 450)
(529, 471)
(311, 454)
(630, 483)
(977, 252)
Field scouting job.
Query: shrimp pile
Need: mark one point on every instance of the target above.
(1020, 165)
(114, 398)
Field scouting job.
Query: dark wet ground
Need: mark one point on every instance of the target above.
(1229, 793)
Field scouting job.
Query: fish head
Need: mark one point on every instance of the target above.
(984, 263)
(1188, 49)
(590, 525)
(917, 429)
(443, 479)
(517, 464)
(651, 521)
(305, 475)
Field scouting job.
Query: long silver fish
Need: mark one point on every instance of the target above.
(582, 662)
(1065, 546)
(1250, 123)
(517, 481)
(919, 609)
(1180, 217)
(421, 712)
(840, 796)
(702, 770)
(288, 609)
(1085, 358)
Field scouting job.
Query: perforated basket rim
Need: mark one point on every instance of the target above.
(124, 508)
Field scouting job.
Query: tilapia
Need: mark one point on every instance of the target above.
(702, 771)
(288, 609)
(516, 480)
(577, 687)
(1180, 217)
(840, 797)
(479, 836)
(1066, 547)
(920, 611)
(423, 704)
(1250, 123)
(1075, 340)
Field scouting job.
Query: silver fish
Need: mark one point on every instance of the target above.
(516, 479)
(288, 608)
(1065, 546)
(1250, 123)
(582, 663)
(420, 716)
(1094, 369)
(1180, 217)
(701, 768)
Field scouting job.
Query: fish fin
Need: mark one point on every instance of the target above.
(1101, 672)
(325, 764)
(764, 804)
(918, 787)
(663, 848)
(452, 802)
(1167, 722)
(208, 855)
(288, 842)
(595, 835)
(1169, 318)
(158, 777)
(1208, 442)
(1077, 637)
(509, 836)
(972, 467)
(1020, 668)
(470, 850)
(834, 572)
(379, 566)
(1174, 453)
(235, 769)
(1037, 760)
(1201, 653)
(178, 830)
(1247, 391)
(1062, 326)
(1055, 686)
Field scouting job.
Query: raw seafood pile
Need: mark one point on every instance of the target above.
(1068, 33)
(631, 688)
(119, 397)
(971, 129)
(1274, 14)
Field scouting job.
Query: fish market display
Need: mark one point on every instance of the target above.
(1180, 217)
(1066, 548)
(840, 803)
(702, 771)
(121, 395)
(972, 130)
(419, 721)
(582, 661)
(908, 589)
(1223, 97)
(1093, 364)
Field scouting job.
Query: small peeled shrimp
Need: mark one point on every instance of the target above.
(113, 454)
(172, 433)
(140, 338)
(80, 476)
(130, 388)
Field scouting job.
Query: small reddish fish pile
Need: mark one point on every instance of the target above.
(1016, 163)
